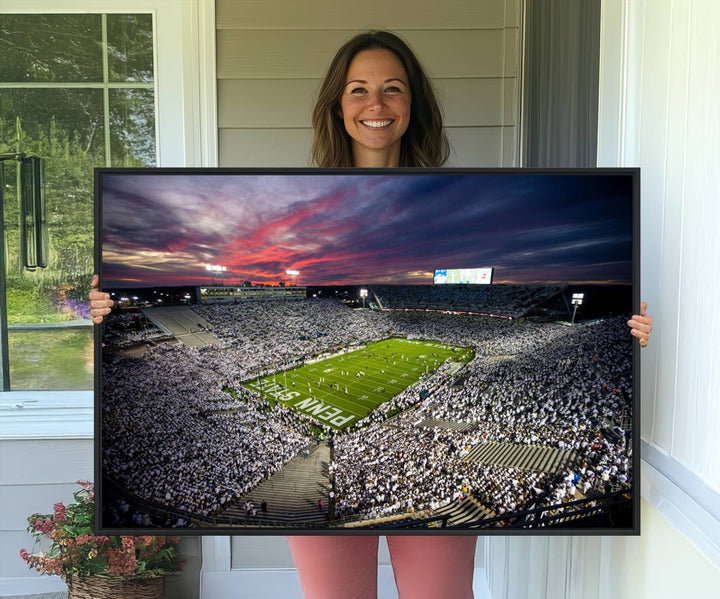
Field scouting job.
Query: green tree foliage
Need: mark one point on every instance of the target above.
(41, 48)
(70, 216)
(66, 127)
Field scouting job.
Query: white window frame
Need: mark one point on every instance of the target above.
(186, 129)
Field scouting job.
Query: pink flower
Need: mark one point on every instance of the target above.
(128, 542)
(44, 526)
(72, 554)
(145, 540)
(59, 512)
(121, 562)
(53, 565)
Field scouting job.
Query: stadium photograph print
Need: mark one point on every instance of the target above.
(360, 382)
(353, 396)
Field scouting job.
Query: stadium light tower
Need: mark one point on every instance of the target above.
(577, 300)
(363, 295)
(293, 274)
(216, 268)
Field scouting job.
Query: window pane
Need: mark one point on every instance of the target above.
(132, 127)
(53, 359)
(53, 122)
(50, 334)
(38, 48)
(65, 127)
(130, 48)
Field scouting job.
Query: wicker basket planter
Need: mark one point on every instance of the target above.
(66, 545)
(116, 587)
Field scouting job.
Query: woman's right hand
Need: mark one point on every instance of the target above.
(641, 325)
(100, 302)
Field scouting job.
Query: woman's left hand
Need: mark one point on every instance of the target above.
(100, 303)
(641, 325)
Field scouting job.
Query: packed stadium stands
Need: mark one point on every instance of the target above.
(182, 432)
(502, 300)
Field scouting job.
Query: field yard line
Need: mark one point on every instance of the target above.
(353, 362)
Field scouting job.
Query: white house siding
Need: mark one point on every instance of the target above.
(271, 58)
(659, 85)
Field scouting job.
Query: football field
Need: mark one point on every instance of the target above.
(340, 390)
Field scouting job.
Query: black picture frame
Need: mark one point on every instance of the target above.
(580, 220)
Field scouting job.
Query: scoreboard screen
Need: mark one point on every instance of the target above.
(463, 276)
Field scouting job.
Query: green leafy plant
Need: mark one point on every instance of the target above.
(74, 551)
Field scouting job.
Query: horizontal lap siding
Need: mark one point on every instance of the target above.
(334, 14)
(264, 147)
(470, 146)
(34, 475)
(307, 53)
(271, 59)
(287, 103)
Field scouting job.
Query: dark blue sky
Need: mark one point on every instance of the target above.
(162, 228)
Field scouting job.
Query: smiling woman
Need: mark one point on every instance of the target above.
(395, 122)
(365, 104)
(375, 107)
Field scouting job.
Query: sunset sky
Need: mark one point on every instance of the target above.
(161, 228)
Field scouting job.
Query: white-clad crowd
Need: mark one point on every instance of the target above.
(503, 300)
(556, 387)
(175, 437)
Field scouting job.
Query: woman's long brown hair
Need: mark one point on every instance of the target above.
(423, 144)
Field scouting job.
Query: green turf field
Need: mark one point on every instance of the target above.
(341, 390)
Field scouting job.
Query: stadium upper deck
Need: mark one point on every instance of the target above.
(501, 300)
(235, 294)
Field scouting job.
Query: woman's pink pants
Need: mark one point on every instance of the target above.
(436, 567)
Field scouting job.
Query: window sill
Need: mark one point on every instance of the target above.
(46, 415)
